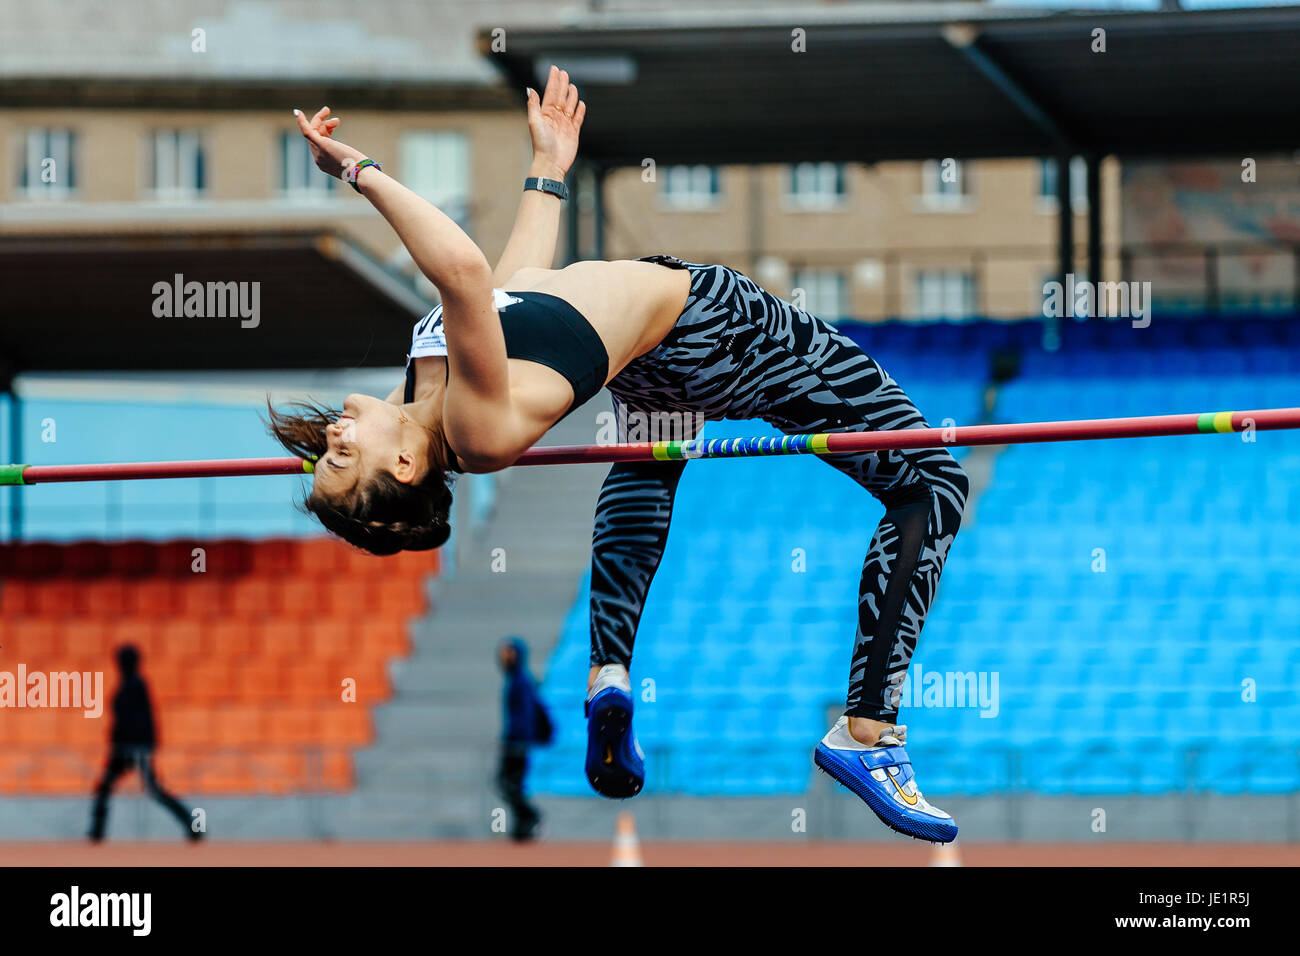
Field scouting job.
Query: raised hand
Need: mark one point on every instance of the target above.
(554, 120)
(330, 155)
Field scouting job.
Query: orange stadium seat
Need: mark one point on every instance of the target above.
(260, 681)
(177, 559)
(208, 682)
(291, 724)
(16, 597)
(355, 599)
(30, 560)
(58, 598)
(79, 638)
(245, 662)
(186, 725)
(346, 725)
(282, 638)
(138, 631)
(370, 674)
(180, 638)
(402, 596)
(337, 772)
(31, 637)
(33, 727)
(301, 597)
(330, 641)
(285, 770)
(102, 597)
(154, 597)
(14, 768)
(412, 564)
(312, 680)
(278, 559)
(254, 597)
(85, 559)
(231, 639)
(62, 775)
(238, 725)
(389, 634)
(203, 597)
(322, 558)
(228, 558)
(172, 767)
(221, 774)
(74, 727)
(133, 558)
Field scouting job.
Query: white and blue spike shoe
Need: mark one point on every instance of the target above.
(882, 776)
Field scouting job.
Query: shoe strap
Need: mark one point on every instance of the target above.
(878, 758)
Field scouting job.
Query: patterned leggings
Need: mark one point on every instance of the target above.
(739, 352)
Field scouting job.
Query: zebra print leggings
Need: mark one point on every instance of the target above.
(740, 352)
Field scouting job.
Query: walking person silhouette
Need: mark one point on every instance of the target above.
(132, 743)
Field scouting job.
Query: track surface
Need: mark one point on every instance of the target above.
(502, 853)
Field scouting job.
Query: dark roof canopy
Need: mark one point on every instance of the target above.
(1002, 85)
(87, 303)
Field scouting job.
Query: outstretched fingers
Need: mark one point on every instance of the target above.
(557, 88)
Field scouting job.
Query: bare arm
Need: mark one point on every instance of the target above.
(480, 419)
(554, 122)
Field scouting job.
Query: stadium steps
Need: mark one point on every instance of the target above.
(431, 770)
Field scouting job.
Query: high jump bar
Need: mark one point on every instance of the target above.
(824, 443)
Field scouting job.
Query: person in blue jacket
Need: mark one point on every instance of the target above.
(526, 723)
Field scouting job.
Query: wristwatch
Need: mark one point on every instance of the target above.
(555, 187)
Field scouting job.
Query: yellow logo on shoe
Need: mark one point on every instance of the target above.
(910, 801)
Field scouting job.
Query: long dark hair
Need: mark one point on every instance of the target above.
(386, 515)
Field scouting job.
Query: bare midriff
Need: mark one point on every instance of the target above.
(631, 305)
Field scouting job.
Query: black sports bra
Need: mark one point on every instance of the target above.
(538, 327)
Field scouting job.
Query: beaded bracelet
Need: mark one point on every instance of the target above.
(350, 174)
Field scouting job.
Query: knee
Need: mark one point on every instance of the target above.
(950, 484)
(960, 486)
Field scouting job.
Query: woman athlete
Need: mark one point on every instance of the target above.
(513, 349)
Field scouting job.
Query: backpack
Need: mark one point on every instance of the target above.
(543, 729)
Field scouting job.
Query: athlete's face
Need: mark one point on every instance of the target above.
(370, 436)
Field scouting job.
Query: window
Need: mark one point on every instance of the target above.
(824, 292)
(816, 185)
(176, 164)
(435, 164)
(690, 187)
(945, 183)
(1078, 181)
(47, 164)
(299, 178)
(944, 294)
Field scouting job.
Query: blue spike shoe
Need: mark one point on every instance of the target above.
(882, 776)
(615, 761)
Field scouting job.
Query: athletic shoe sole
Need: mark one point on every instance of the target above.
(841, 773)
(607, 727)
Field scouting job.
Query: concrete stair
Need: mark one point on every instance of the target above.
(430, 773)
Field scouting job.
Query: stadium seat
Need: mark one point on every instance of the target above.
(247, 689)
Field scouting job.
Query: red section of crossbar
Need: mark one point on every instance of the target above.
(836, 443)
(44, 474)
